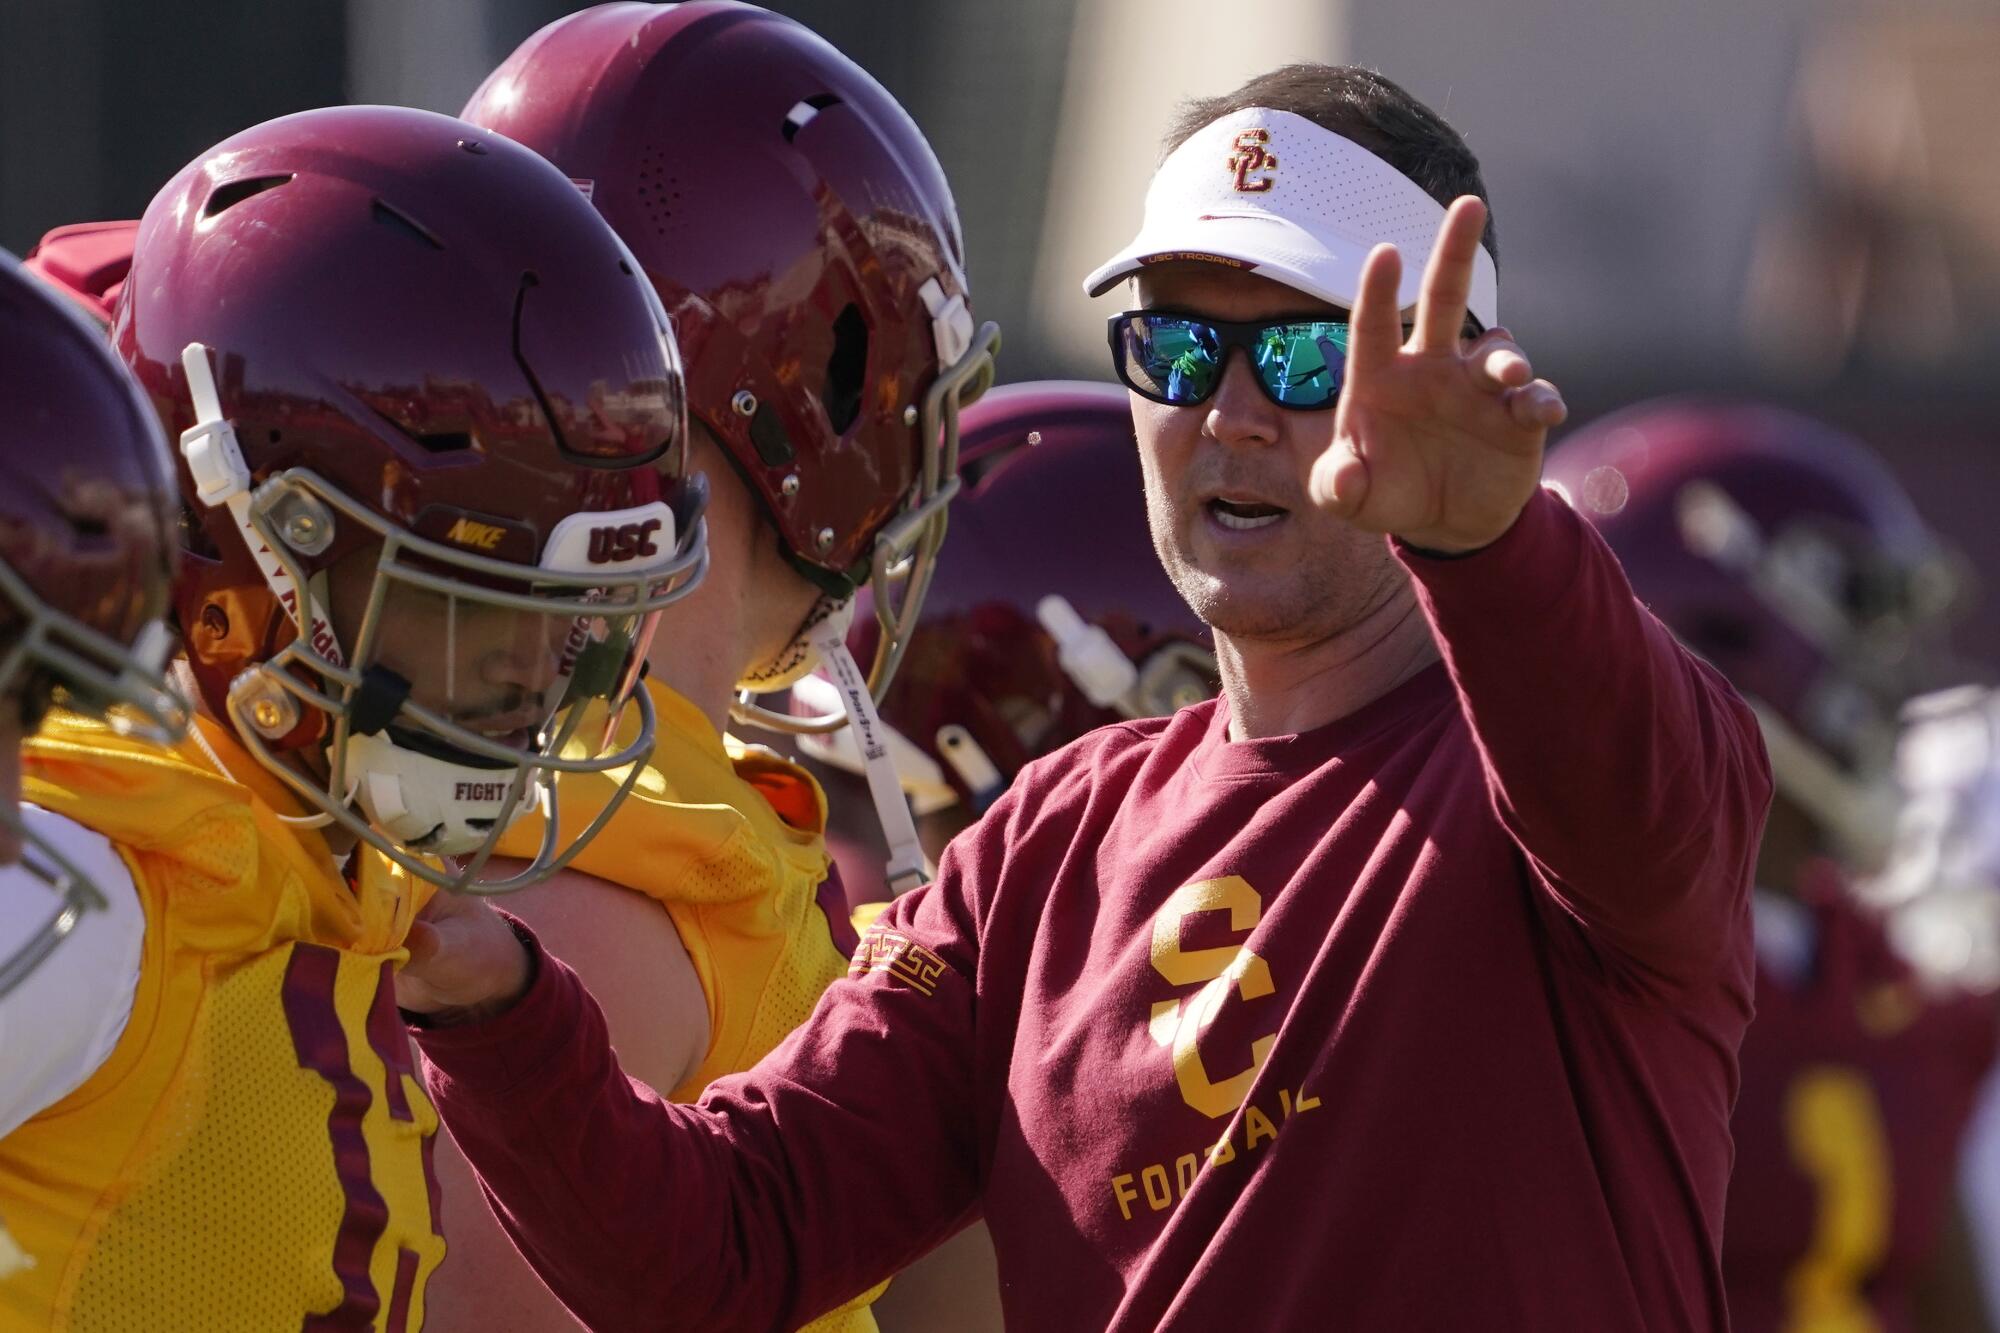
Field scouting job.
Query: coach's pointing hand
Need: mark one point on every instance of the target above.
(1437, 441)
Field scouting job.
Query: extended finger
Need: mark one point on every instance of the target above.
(1448, 277)
(1498, 363)
(1375, 326)
(1537, 406)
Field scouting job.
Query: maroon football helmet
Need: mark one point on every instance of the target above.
(432, 440)
(803, 239)
(86, 556)
(1050, 617)
(1786, 554)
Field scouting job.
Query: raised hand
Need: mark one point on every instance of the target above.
(1437, 440)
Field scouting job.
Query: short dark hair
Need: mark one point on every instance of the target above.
(1358, 104)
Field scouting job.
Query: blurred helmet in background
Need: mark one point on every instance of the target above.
(1050, 617)
(1786, 554)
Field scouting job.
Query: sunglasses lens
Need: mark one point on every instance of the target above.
(1170, 358)
(1303, 364)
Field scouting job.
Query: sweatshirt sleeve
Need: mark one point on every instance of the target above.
(786, 1190)
(1629, 773)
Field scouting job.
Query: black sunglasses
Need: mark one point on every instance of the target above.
(1178, 359)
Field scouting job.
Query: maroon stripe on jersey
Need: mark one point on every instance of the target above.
(832, 895)
(321, 1045)
(406, 1282)
(390, 1040)
(429, 1154)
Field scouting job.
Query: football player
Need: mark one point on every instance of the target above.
(1021, 648)
(798, 229)
(86, 549)
(431, 439)
(1788, 555)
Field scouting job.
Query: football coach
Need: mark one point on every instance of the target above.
(1398, 988)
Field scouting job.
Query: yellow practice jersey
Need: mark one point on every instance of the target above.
(731, 840)
(255, 1152)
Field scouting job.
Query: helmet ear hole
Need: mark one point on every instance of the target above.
(846, 369)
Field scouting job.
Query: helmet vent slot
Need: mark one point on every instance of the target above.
(397, 220)
(225, 197)
(803, 113)
(846, 369)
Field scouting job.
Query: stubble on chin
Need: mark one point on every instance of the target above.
(1309, 597)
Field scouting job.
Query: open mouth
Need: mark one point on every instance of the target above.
(520, 738)
(1243, 515)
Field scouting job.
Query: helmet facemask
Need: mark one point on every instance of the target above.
(55, 660)
(1876, 621)
(470, 678)
(470, 681)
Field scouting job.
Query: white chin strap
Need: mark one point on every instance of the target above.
(923, 781)
(432, 805)
(907, 868)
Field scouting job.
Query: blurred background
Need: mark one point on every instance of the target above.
(1797, 199)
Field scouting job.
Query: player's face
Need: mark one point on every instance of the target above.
(490, 669)
(1226, 484)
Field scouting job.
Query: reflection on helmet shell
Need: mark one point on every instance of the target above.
(390, 340)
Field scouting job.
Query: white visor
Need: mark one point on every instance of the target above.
(1276, 195)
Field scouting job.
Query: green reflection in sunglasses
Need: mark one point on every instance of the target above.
(1299, 362)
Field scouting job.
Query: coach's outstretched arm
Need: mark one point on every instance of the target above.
(1630, 774)
(851, 1149)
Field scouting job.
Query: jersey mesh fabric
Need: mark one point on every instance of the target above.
(700, 836)
(247, 1157)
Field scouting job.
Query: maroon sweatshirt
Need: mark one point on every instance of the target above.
(1426, 1019)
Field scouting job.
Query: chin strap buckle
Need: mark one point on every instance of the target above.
(951, 322)
(1087, 654)
(209, 446)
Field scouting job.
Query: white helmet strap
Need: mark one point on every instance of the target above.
(907, 868)
(215, 460)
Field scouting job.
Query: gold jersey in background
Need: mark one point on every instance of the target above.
(731, 841)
